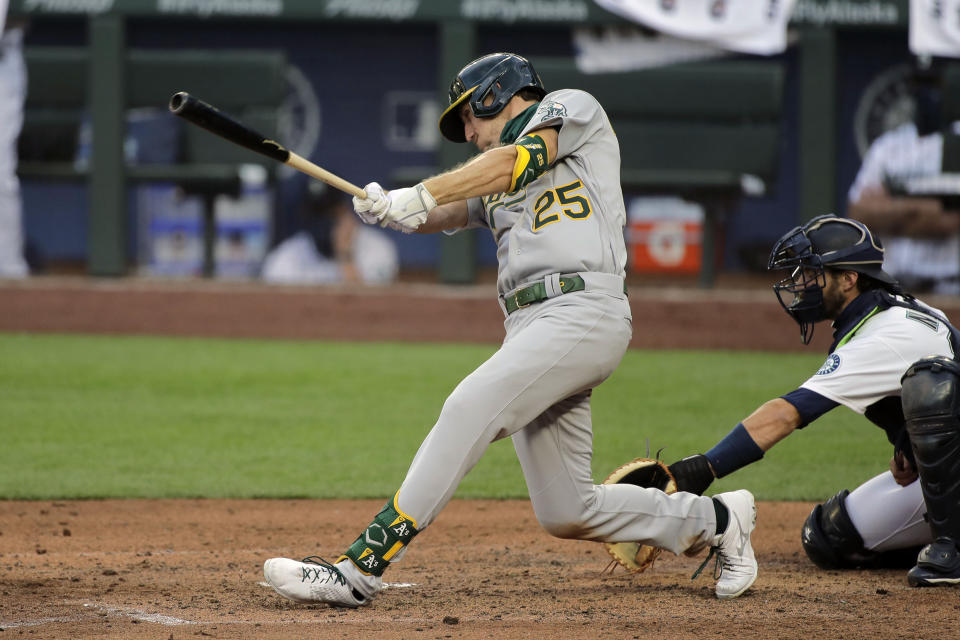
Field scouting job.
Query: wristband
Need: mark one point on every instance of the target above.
(736, 450)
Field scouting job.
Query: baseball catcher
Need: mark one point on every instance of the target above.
(892, 359)
(546, 187)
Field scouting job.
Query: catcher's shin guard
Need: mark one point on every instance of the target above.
(931, 408)
(390, 531)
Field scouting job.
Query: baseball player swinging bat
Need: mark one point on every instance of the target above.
(215, 121)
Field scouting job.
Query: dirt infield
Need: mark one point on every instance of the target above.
(192, 568)
(485, 569)
(663, 318)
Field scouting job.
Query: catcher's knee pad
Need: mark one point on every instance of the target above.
(833, 542)
(931, 408)
(830, 539)
(382, 540)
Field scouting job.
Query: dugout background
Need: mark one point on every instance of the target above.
(374, 77)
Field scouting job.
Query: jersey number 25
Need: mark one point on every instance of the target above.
(573, 205)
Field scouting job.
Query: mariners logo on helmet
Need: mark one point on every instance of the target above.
(487, 84)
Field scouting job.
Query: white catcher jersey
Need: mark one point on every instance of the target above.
(869, 366)
(571, 218)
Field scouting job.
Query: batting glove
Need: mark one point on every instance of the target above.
(408, 208)
(372, 209)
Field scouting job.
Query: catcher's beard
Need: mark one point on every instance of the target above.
(833, 299)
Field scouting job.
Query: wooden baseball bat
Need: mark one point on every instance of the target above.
(205, 115)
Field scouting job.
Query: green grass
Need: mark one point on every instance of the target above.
(89, 417)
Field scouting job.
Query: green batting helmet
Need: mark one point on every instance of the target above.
(500, 75)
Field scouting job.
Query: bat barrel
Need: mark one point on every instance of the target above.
(205, 115)
(179, 100)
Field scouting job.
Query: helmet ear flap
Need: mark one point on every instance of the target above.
(490, 88)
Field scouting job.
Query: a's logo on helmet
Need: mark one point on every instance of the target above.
(551, 109)
(456, 90)
(831, 365)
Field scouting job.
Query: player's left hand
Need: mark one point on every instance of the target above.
(371, 209)
(903, 472)
(408, 208)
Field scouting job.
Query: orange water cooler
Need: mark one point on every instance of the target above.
(664, 235)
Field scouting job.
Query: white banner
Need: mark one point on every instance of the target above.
(935, 28)
(744, 26)
(618, 49)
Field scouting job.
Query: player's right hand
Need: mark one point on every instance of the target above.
(903, 472)
(373, 208)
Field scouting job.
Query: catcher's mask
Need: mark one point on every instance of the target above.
(497, 75)
(827, 241)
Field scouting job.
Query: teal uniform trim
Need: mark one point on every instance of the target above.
(845, 339)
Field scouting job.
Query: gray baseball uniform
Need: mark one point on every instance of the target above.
(13, 84)
(536, 387)
(571, 219)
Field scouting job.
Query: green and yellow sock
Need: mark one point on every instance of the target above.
(390, 531)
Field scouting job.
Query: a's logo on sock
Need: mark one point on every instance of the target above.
(370, 562)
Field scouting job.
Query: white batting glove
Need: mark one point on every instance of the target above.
(372, 209)
(408, 208)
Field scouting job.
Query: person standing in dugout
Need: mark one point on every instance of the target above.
(546, 185)
(893, 360)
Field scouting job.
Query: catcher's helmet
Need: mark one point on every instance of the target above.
(500, 75)
(827, 241)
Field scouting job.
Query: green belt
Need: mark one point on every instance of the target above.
(537, 292)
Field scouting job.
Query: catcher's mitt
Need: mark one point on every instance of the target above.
(644, 472)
